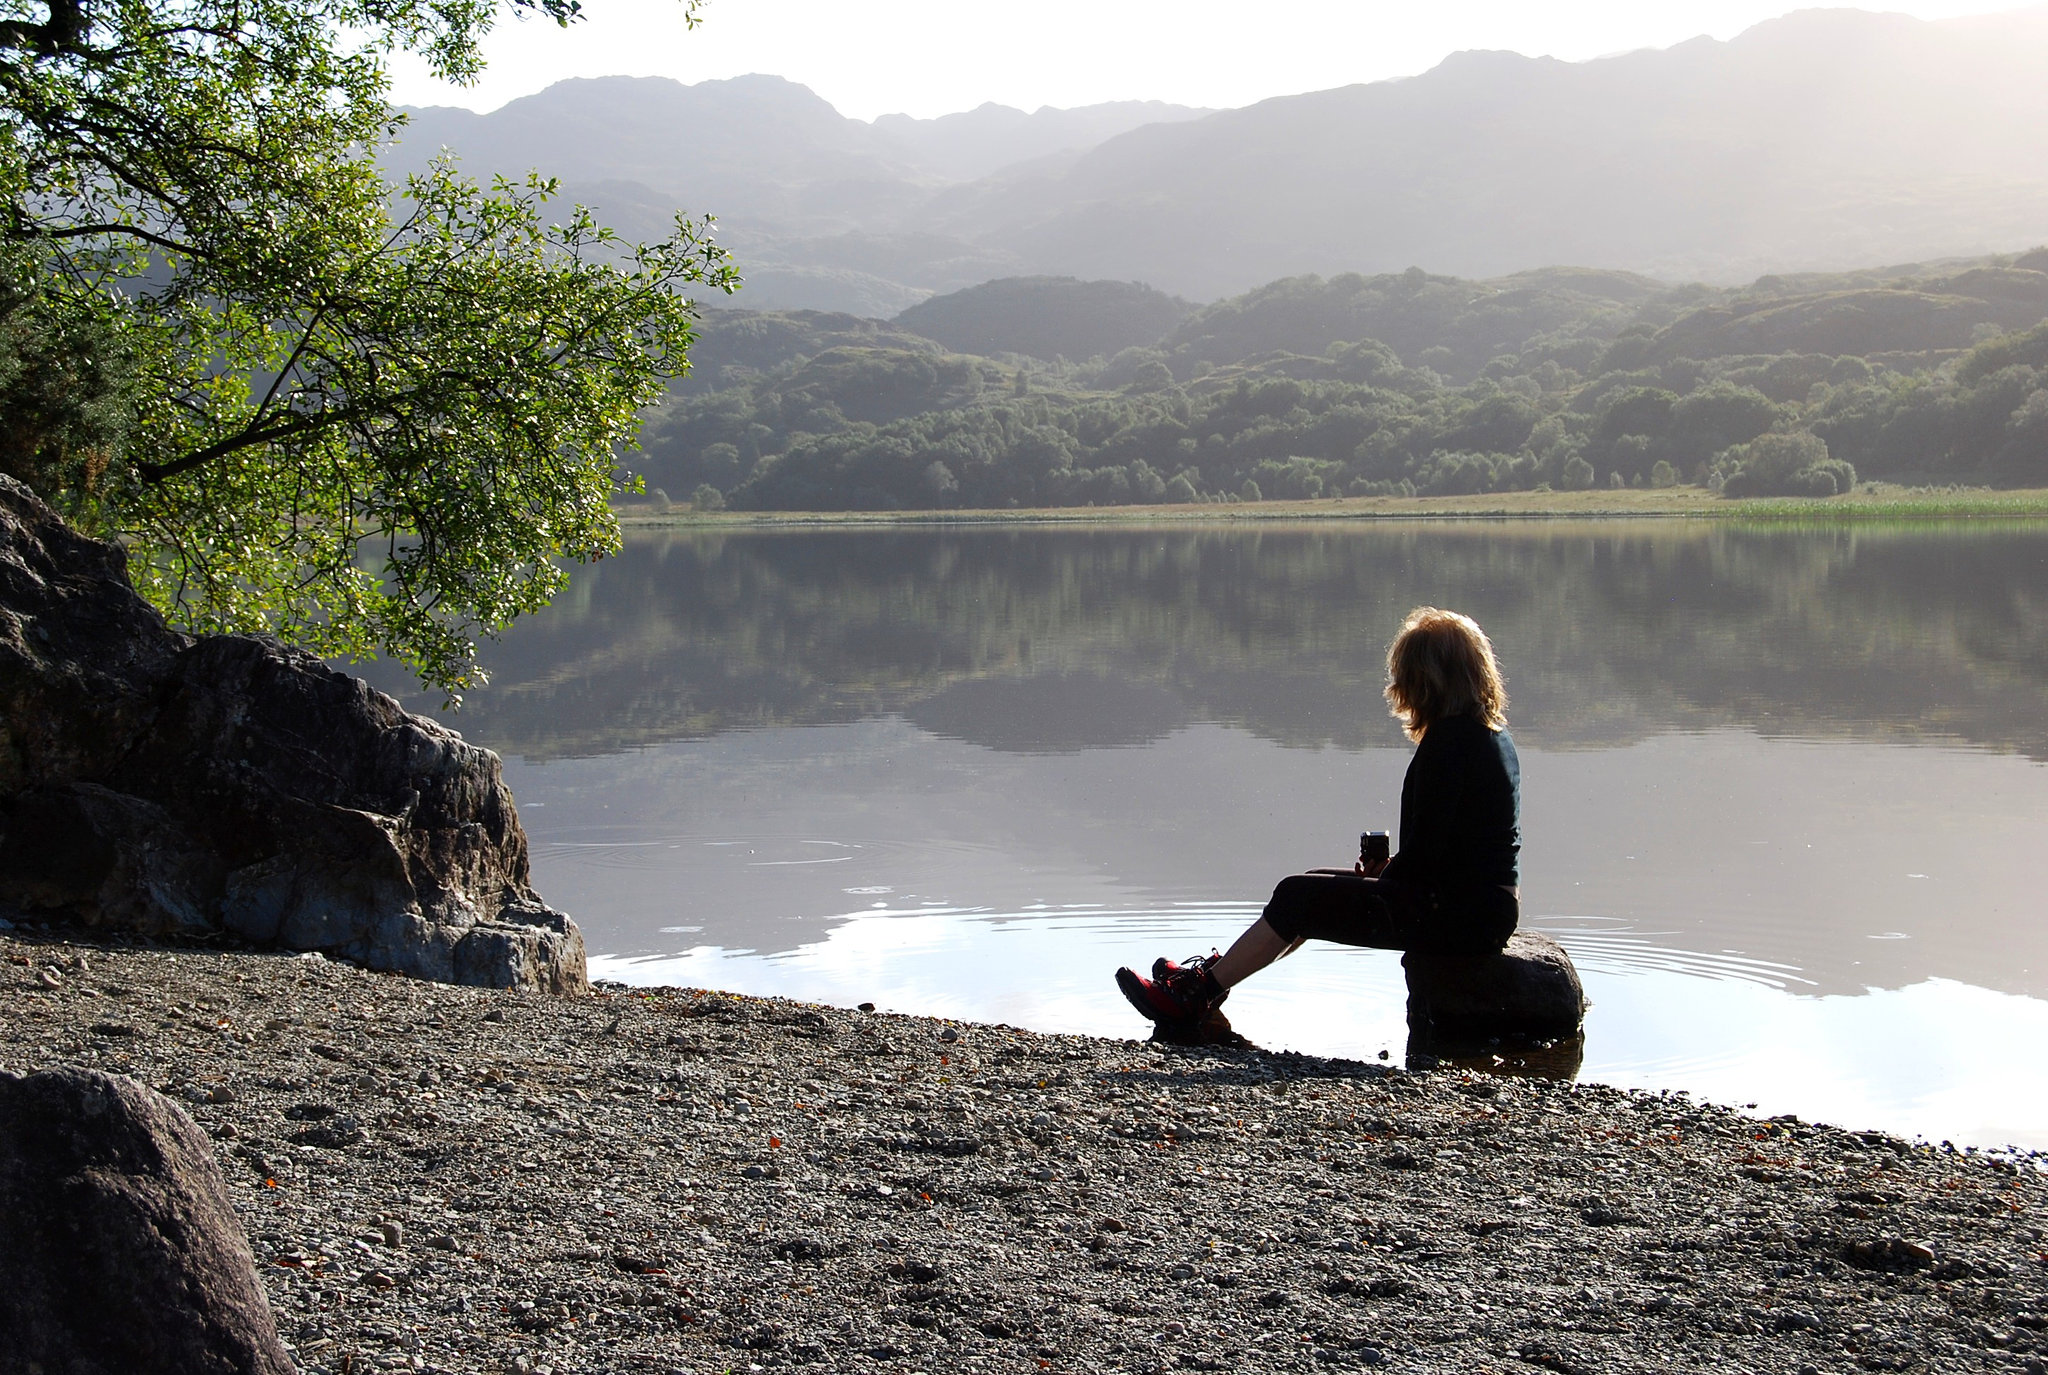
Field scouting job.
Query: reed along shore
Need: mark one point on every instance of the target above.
(455, 1179)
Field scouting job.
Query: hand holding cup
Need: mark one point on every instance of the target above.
(1374, 849)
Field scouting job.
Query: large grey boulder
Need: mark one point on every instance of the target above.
(119, 1250)
(1529, 991)
(156, 783)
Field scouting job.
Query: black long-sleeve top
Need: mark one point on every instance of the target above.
(1461, 817)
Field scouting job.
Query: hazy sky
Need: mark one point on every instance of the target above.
(931, 57)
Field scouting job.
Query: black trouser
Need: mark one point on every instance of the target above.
(1350, 909)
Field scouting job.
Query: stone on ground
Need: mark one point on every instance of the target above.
(119, 1247)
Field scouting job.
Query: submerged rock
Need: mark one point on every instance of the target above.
(119, 1246)
(155, 783)
(1530, 990)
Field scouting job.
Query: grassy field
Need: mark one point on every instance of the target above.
(1872, 501)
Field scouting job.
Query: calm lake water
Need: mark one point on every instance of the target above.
(1784, 801)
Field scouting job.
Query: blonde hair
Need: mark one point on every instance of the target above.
(1442, 664)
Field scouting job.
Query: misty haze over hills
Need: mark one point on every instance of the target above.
(1827, 139)
(823, 210)
(991, 137)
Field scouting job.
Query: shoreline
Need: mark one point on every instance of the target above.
(1888, 503)
(465, 1180)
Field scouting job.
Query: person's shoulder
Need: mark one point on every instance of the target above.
(1472, 734)
(1465, 729)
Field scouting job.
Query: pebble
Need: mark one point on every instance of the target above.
(898, 1199)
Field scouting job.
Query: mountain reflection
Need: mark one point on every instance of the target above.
(1060, 640)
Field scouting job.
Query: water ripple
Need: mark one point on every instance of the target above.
(1600, 946)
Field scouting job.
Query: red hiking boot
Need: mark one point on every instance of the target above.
(1176, 993)
(1164, 969)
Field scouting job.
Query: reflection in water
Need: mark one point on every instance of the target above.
(1782, 787)
(1721, 855)
(1561, 1059)
(1062, 639)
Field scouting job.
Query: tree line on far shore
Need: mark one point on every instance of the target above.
(1401, 384)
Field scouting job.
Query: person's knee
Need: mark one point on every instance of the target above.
(1290, 904)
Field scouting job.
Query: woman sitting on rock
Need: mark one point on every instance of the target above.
(1452, 887)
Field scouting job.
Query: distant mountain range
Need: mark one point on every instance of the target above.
(823, 210)
(1826, 140)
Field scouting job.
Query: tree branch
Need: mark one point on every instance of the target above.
(63, 31)
(247, 438)
(21, 232)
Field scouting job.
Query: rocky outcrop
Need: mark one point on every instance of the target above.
(119, 1248)
(1528, 991)
(160, 784)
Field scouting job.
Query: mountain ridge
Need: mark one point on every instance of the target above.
(1821, 140)
(1697, 160)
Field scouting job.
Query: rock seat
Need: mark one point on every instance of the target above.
(1529, 991)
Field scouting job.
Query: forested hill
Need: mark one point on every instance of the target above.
(1047, 317)
(1398, 383)
(1826, 140)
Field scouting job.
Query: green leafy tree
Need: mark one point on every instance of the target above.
(1714, 418)
(829, 413)
(1794, 464)
(367, 423)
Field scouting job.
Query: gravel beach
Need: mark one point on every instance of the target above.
(453, 1179)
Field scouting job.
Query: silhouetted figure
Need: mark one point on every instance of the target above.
(1451, 890)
